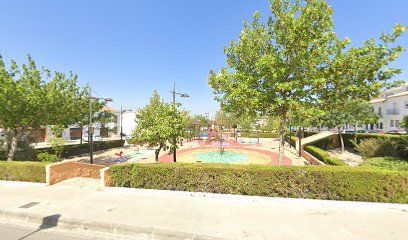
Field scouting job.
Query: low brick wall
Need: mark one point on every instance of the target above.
(311, 159)
(65, 170)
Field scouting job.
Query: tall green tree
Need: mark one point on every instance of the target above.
(294, 58)
(158, 123)
(32, 97)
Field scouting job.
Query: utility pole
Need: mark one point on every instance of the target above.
(121, 129)
(174, 109)
(90, 128)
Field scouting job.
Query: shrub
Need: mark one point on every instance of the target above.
(334, 183)
(389, 163)
(22, 171)
(291, 140)
(46, 157)
(399, 143)
(75, 150)
(324, 156)
(309, 133)
(375, 147)
(260, 135)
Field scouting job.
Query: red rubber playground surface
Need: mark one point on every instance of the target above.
(256, 156)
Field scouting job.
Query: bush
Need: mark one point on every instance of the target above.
(376, 147)
(75, 150)
(399, 143)
(22, 171)
(291, 140)
(46, 157)
(332, 183)
(260, 135)
(389, 163)
(324, 156)
(309, 133)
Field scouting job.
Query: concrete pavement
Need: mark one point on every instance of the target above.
(151, 214)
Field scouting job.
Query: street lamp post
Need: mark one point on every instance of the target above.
(183, 95)
(90, 128)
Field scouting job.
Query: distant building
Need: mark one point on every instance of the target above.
(391, 106)
(128, 122)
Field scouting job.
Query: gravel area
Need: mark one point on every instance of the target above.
(349, 156)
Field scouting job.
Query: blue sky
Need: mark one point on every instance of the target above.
(126, 49)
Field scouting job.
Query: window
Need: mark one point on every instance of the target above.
(392, 123)
(379, 111)
(381, 125)
(397, 123)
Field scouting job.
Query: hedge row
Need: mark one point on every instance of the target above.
(75, 150)
(331, 183)
(324, 156)
(291, 140)
(400, 143)
(260, 135)
(22, 171)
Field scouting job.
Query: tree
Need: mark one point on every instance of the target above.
(158, 123)
(404, 123)
(104, 117)
(352, 112)
(295, 58)
(31, 98)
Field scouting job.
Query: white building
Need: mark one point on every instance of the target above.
(128, 122)
(391, 106)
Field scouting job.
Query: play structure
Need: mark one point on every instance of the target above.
(220, 147)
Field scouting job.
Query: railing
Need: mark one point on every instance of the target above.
(393, 111)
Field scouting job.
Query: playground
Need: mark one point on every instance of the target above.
(226, 149)
(208, 147)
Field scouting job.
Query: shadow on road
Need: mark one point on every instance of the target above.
(47, 222)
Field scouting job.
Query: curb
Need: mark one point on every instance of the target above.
(260, 199)
(69, 224)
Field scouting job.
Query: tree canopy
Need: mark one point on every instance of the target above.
(158, 123)
(296, 58)
(32, 97)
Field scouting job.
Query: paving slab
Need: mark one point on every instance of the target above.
(154, 214)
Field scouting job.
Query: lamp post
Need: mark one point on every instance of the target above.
(90, 128)
(121, 121)
(183, 95)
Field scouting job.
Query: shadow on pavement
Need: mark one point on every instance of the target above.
(47, 222)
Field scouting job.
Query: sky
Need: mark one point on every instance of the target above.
(127, 49)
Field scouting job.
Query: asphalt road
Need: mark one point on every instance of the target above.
(17, 232)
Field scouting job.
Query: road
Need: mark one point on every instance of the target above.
(18, 232)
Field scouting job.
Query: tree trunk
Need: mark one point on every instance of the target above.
(341, 142)
(15, 136)
(282, 138)
(157, 152)
(82, 129)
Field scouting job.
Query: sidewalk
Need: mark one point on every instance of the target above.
(76, 204)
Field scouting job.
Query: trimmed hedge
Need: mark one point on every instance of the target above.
(309, 133)
(22, 171)
(400, 143)
(331, 183)
(260, 134)
(75, 150)
(292, 140)
(324, 156)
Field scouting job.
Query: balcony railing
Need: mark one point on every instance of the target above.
(393, 111)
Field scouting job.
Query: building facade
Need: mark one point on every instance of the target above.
(391, 106)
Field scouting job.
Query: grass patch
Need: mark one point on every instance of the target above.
(389, 163)
(314, 182)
